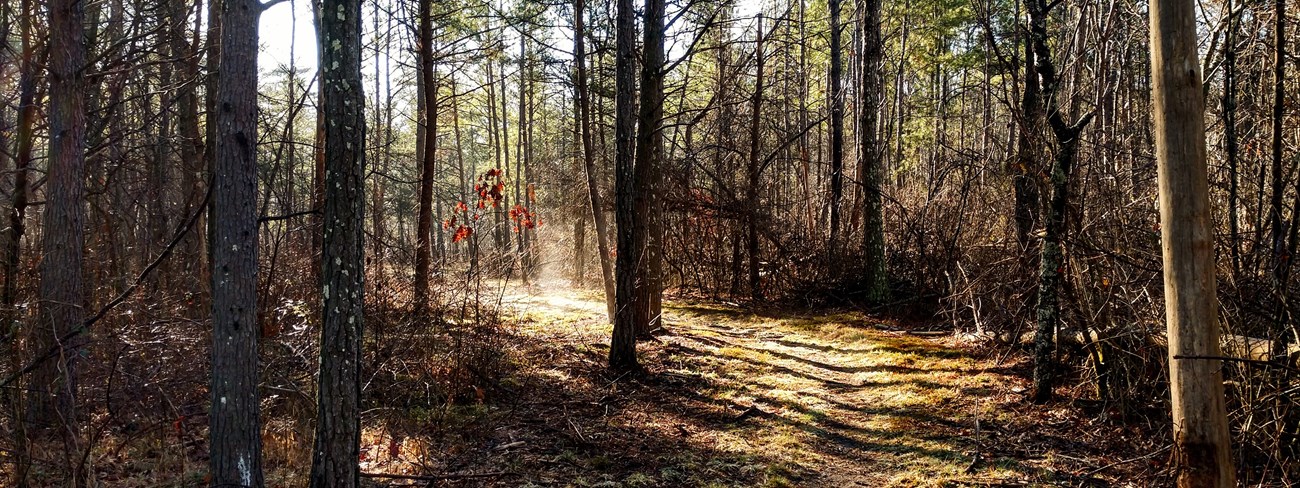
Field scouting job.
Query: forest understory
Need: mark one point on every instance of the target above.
(734, 397)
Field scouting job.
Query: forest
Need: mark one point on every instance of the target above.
(661, 243)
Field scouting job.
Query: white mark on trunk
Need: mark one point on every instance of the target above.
(245, 474)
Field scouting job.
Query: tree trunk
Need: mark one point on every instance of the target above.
(1230, 136)
(753, 174)
(1052, 265)
(338, 429)
(622, 347)
(648, 168)
(424, 223)
(22, 161)
(837, 131)
(589, 158)
(1201, 442)
(1277, 223)
(236, 445)
(52, 392)
(869, 156)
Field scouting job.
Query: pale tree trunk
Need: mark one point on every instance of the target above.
(338, 429)
(1201, 442)
(236, 441)
(589, 158)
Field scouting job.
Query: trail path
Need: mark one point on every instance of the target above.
(735, 397)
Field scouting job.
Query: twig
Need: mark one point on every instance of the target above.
(121, 297)
(1126, 461)
(1239, 360)
(435, 477)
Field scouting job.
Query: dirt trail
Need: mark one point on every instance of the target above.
(780, 399)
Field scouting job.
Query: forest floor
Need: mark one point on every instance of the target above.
(746, 397)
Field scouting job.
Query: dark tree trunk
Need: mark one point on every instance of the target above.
(1052, 265)
(53, 389)
(1027, 151)
(622, 347)
(338, 429)
(837, 130)
(870, 154)
(753, 173)
(1230, 136)
(22, 161)
(424, 223)
(236, 440)
(648, 169)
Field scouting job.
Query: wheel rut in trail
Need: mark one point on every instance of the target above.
(823, 399)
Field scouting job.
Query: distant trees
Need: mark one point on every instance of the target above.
(338, 427)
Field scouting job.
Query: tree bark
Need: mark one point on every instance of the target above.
(52, 392)
(424, 222)
(1052, 265)
(1201, 442)
(622, 348)
(837, 131)
(870, 155)
(236, 440)
(648, 168)
(753, 172)
(338, 429)
(589, 157)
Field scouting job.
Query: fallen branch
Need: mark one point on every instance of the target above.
(435, 477)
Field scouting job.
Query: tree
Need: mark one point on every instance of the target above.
(753, 171)
(53, 390)
(429, 98)
(234, 425)
(870, 154)
(622, 347)
(338, 429)
(837, 128)
(648, 170)
(1191, 305)
(588, 154)
(1052, 264)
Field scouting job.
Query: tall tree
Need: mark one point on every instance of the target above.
(1201, 439)
(648, 169)
(622, 347)
(338, 429)
(428, 96)
(753, 171)
(581, 91)
(1052, 264)
(837, 127)
(236, 436)
(870, 153)
(53, 390)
